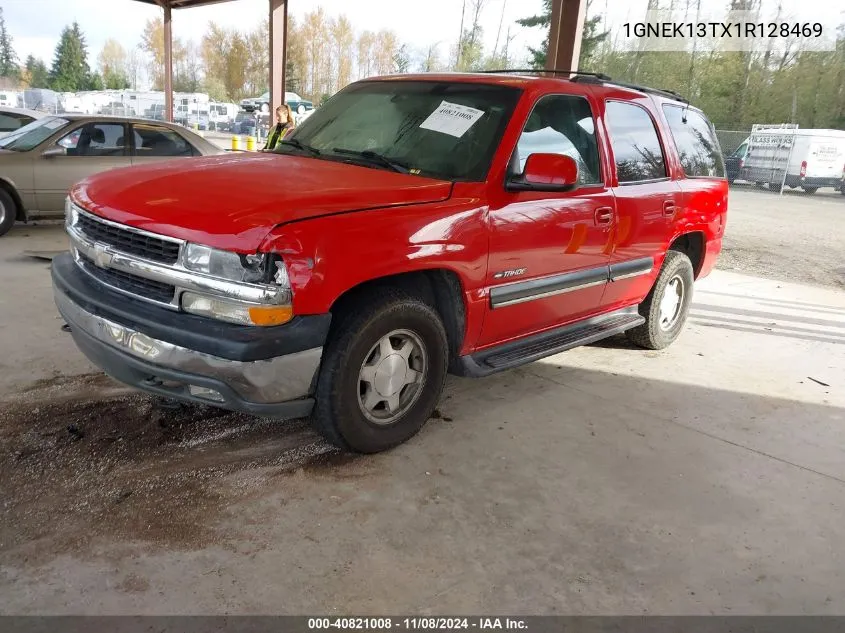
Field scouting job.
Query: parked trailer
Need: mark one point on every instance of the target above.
(788, 156)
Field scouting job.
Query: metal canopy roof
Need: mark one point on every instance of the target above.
(181, 4)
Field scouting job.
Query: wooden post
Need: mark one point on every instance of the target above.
(278, 37)
(168, 64)
(565, 34)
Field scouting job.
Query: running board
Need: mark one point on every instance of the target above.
(539, 346)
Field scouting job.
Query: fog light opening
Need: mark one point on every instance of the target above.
(205, 393)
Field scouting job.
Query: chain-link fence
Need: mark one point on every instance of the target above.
(729, 140)
(782, 156)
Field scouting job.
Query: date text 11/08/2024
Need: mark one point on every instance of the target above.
(417, 623)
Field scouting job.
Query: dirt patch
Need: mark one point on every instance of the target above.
(84, 458)
(792, 237)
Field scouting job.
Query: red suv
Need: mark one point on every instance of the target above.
(414, 225)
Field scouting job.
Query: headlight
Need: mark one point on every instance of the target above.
(225, 264)
(263, 269)
(70, 213)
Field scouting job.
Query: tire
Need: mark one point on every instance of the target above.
(842, 189)
(265, 107)
(655, 333)
(300, 109)
(343, 413)
(759, 184)
(810, 190)
(777, 187)
(8, 212)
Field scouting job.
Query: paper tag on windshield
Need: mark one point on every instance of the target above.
(452, 119)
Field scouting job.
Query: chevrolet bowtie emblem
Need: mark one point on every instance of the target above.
(102, 258)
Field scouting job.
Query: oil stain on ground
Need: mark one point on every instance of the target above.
(84, 458)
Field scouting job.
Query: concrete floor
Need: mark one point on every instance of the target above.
(706, 478)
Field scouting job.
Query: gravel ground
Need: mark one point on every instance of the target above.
(794, 237)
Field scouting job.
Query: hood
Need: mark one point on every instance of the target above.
(233, 201)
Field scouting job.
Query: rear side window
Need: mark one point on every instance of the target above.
(154, 140)
(10, 122)
(696, 142)
(636, 146)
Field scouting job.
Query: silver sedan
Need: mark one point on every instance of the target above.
(42, 160)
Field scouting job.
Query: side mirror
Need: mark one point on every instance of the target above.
(546, 172)
(54, 151)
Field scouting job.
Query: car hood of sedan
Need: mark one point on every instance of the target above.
(233, 201)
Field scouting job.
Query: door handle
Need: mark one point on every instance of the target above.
(668, 208)
(604, 216)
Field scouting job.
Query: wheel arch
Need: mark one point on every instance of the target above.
(441, 288)
(693, 245)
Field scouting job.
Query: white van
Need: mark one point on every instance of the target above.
(812, 158)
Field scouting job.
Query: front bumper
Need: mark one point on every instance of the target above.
(261, 371)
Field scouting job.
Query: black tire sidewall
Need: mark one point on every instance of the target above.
(337, 391)
(11, 212)
(676, 264)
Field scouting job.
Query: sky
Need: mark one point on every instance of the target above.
(35, 25)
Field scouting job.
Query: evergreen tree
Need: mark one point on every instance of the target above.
(95, 82)
(70, 71)
(292, 81)
(591, 37)
(8, 57)
(36, 70)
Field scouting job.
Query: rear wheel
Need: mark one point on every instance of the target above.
(8, 212)
(382, 372)
(810, 190)
(300, 109)
(666, 307)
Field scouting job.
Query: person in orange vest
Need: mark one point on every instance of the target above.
(284, 124)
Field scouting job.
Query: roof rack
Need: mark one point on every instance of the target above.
(592, 78)
(522, 71)
(581, 76)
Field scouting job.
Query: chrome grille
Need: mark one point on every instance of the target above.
(127, 282)
(128, 241)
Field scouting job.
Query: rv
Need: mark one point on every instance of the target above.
(10, 99)
(221, 116)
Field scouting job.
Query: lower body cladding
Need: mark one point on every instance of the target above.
(269, 371)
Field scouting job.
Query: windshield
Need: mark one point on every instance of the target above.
(30, 136)
(447, 130)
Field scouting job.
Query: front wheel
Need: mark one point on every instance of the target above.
(300, 109)
(667, 305)
(8, 212)
(265, 107)
(382, 373)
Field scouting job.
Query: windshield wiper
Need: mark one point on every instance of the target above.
(374, 157)
(300, 145)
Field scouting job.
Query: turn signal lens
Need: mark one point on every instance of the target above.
(270, 315)
(236, 311)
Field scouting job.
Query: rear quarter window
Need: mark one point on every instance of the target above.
(635, 143)
(696, 143)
